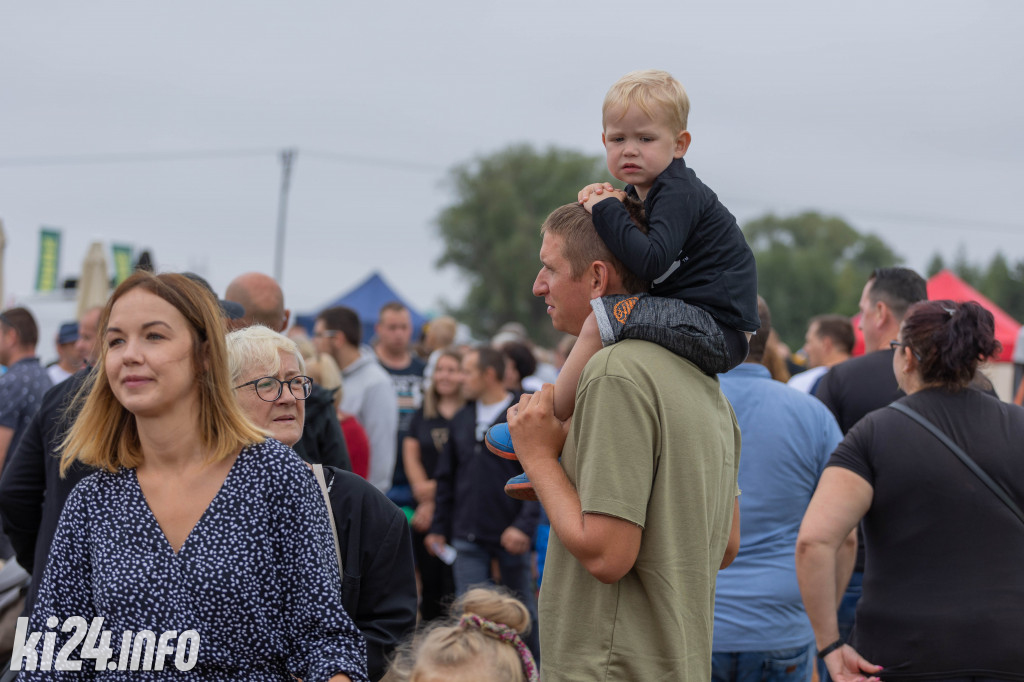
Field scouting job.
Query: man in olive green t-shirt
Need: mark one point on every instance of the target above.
(643, 502)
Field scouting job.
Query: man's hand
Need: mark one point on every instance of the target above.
(595, 198)
(515, 541)
(432, 541)
(596, 188)
(846, 665)
(536, 432)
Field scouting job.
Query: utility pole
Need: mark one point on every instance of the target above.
(287, 158)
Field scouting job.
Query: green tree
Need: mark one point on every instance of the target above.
(966, 270)
(1004, 286)
(811, 264)
(935, 265)
(492, 231)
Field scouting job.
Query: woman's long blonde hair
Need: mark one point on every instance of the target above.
(105, 435)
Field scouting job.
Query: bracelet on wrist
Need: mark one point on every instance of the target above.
(831, 647)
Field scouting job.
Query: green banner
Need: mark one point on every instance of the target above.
(49, 259)
(122, 262)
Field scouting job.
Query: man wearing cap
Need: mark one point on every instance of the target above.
(68, 359)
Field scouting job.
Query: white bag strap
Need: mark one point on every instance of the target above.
(318, 471)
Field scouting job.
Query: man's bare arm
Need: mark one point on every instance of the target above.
(606, 546)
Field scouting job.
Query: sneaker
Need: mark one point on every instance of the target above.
(499, 441)
(520, 488)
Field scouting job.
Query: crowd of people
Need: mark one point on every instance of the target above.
(197, 480)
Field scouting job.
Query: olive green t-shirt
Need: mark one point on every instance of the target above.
(653, 441)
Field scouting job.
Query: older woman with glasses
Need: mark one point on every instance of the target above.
(943, 590)
(274, 397)
(378, 579)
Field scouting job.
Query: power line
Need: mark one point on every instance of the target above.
(157, 157)
(996, 227)
(372, 161)
(858, 215)
(131, 157)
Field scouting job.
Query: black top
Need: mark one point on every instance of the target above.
(322, 441)
(379, 585)
(32, 493)
(432, 435)
(693, 243)
(857, 386)
(471, 504)
(943, 590)
(408, 383)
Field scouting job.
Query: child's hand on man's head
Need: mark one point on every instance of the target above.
(607, 194)
(596, 188)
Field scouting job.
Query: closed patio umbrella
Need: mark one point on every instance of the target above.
(94, 284)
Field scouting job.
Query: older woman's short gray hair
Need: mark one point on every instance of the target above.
(258, 348)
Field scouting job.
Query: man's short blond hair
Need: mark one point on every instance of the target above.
(656, 93)
(581, 244)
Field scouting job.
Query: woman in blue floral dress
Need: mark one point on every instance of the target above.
(200, 550)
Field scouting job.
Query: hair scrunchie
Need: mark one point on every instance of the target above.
(504, 633)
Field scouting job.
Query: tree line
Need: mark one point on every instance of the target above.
(807, 264)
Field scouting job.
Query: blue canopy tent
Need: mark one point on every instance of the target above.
(366, 299)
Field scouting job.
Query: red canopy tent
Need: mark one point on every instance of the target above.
(946, 285)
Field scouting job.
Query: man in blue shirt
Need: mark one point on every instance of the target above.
(21, 388)
(761, 629)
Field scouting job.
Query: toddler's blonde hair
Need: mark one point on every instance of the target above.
(656, 93)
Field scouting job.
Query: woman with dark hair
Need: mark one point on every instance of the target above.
(199, 545)
(943, 591)
(520, 363)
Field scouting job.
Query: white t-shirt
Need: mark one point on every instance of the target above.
(805, 381)
(488, 414)
(57, 374)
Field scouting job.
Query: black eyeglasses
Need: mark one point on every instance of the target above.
(270, 389)
(899, 344)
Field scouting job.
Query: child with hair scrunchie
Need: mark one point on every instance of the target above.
(481, 641)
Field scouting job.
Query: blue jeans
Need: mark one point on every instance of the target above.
(845, 616)
(780, 665)
(472, 567)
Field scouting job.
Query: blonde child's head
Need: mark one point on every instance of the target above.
(481, 641)
(656, 93)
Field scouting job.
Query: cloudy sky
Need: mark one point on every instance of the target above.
(159, 124)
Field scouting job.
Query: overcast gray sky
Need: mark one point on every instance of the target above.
(904, 118)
